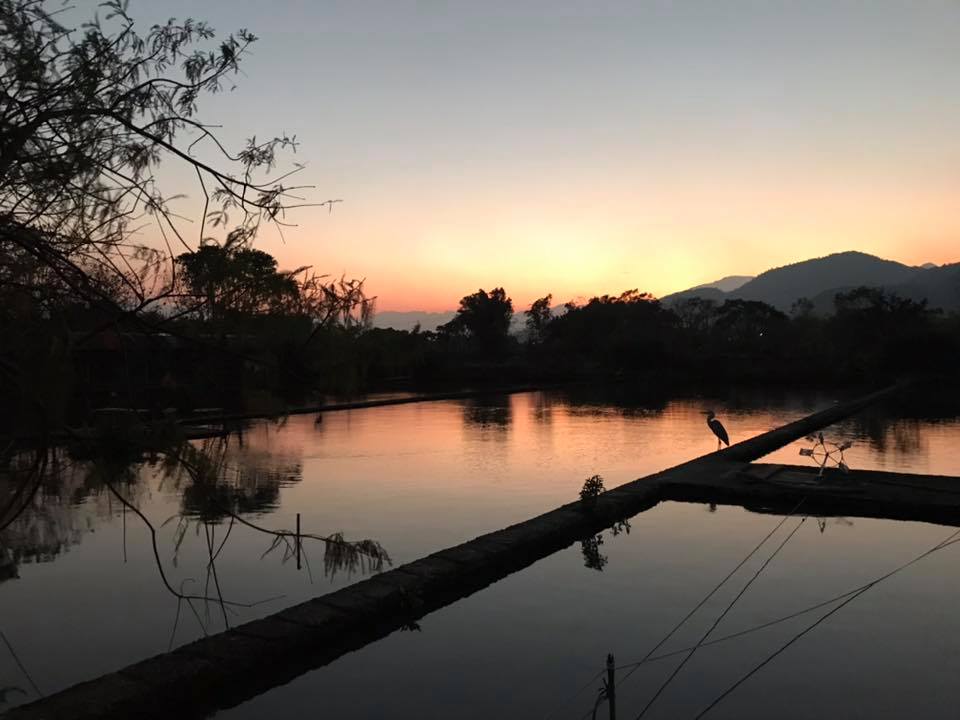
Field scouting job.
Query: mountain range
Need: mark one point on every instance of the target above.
(818, 280)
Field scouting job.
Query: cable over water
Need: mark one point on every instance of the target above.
(949, 540)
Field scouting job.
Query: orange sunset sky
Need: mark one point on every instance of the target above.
(582, 148)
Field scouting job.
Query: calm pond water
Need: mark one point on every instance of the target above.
(83, 594)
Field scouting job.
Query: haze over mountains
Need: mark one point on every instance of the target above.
(818, 280)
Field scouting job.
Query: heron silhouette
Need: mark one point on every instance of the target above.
(718, 429)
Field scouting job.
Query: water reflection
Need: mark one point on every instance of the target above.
(625, 400)
(415, 477)
(593, 558)
(56, 497)
(489, 413)
(889, 435)
(50, 504)
(542, 409)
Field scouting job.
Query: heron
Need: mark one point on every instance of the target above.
(717, 428)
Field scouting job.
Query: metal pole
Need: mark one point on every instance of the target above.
(298, 541)
(611, 688)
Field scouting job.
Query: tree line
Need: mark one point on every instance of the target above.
(871, 335)
(92, 315)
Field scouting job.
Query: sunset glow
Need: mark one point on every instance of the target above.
(598, 148)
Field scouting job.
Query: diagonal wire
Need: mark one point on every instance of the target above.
(707, 597)
(722, 615)
(950, 540)
(20, 665)
(712, 592)
(741, 633)
(573, 697)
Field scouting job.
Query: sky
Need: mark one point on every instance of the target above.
(581, 148)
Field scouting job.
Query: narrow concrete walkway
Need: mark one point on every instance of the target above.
(777, 489)
(226, 669)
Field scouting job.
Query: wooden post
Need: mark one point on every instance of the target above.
(298, 541)
(611, 688)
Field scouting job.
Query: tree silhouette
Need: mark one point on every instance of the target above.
(484, 319)
(237, 280)
(538, 317)
(746, 325)
(87, 117)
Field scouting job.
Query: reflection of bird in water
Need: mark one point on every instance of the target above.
(718, 429)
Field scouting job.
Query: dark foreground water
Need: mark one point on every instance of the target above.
(83, 593)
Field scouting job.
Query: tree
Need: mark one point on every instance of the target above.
(802, 309)
(538, 317)
(749, 327)
(619, 333)
(874, 328)
(329, 303)
(236, 280)
(483, 318)
(696, 314)
(87, 116)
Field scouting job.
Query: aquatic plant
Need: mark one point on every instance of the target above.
(591, 490)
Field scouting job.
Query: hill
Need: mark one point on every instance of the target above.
(820, 279)
(409, 320)
(782, 286)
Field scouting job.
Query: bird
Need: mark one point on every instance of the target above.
(718, 429)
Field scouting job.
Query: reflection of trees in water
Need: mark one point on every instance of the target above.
(245, 480)
(216, 481)
(67, 503)
(618, 400)
(73, 498)
(219, 484)
(542, 408)
(931, 401)
(897, 425)
(493, 412)
(890, 435)
(593, 558)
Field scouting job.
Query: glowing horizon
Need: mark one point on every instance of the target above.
(588, 148)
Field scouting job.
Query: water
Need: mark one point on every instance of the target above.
(421, 477)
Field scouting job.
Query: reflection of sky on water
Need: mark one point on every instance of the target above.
(417, 478)
(522, 647)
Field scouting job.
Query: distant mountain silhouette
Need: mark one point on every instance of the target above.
(822, 278)
(939, 285)
(430, 321)
(818, 280)
(716, 290)
(726, 284)
(782, 286)
(408, 320)
(706, 292)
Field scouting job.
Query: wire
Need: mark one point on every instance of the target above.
(706, 598)
(712, 592)
(741, 633)
(20, 665)
(950, 540)
(722, 615)
(573, 697)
